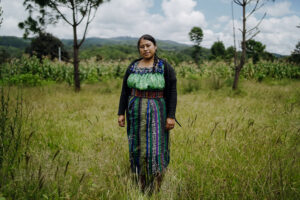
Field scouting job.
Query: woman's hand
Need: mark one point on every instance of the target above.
(170, 123)
(121, 120)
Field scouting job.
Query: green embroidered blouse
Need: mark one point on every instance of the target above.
(144, 78)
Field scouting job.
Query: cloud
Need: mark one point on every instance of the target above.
(280, 35)
(172, 8)
(223, 19)
(132, 18)
(173, 22)
(277, 9)
(226, 1)
(13, 13)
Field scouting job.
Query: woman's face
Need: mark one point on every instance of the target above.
(147, 49)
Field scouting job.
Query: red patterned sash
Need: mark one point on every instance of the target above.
(147, 94)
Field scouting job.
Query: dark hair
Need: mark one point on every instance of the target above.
(150, 38)
(146, 37)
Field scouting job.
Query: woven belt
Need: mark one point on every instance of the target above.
(147, 94)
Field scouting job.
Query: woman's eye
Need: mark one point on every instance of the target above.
(147, 45)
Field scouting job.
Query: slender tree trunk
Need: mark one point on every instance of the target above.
(75, 52)
(239, 67)
(236, 77)
(76, 69)
(76, 61)
(197, 55)
(234, 40)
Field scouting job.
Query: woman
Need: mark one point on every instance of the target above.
(149, 97)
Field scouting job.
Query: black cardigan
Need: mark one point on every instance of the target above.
(170, 91)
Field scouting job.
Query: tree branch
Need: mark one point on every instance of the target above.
(253, 35)
(76, 13)
(256, 7)
(86, 8)
(59, 12)
(238, 2)
(234, 40)
(93, 16)
(86, 26)
(253, 10)
(257, 25)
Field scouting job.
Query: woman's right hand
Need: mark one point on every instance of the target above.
(121, 120)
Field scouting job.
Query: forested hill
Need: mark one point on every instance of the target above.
(92, 42)
(12, 41)
(17, 42)
(104, 48)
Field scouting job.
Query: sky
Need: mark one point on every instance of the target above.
(173, 19)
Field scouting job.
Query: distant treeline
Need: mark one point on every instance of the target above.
(119, 48)
(102, 49)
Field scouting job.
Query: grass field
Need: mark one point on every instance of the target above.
(232, 145)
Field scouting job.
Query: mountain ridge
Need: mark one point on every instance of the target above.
(91, 42)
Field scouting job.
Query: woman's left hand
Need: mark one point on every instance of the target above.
(170, 123)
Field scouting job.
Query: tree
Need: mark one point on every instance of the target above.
(47, 45)
(196, 36)
(268, 56)
(218, 50)
(230, 51)
(51, 11)
(4, 56)
(246, 34)
(1, 12)
(254, 50)
(297, 49)
(295, 57)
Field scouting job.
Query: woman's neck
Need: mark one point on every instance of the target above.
(146, 62)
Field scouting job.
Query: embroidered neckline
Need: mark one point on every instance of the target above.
(143, 70)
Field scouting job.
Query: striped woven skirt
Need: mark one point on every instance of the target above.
(147, 137)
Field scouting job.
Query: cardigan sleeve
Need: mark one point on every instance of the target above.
(124, 94)
(171, 92)
(125, 90)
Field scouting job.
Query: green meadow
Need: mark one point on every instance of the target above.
(245, 144)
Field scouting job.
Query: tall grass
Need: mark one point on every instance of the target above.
(232, 145)
(277, 70)
(10, 132)
(32, 72)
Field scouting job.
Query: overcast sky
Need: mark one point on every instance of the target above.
(173, 19)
